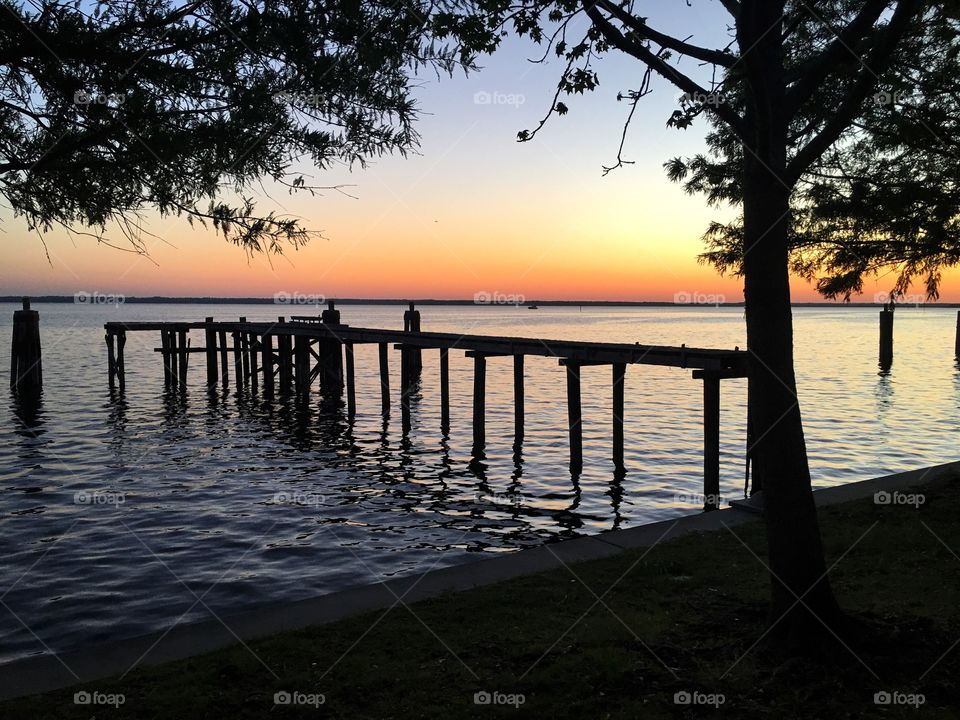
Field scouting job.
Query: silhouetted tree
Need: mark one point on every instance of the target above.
(768, 86)
(884, 199)
(113, 107)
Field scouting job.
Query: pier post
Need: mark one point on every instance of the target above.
(111, 361)
(210, 340)
(479, 400)
(252, 349)
(411, 324)
(444, 391)
(119, 365)
(166, 341)
(711, 442)
(301, 364)
(351, 385)
(957, 344)
(574, 416)
(406, 386)
(886, 336)
(223, 357)
(518, 399)
(237, 360)
(619, 374)
(384, 379)
(266, 349)
(244, 374)
(284, 358)
(183, 356)
(26, 372)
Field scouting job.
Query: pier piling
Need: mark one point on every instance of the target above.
(210, 340)
(384, 379)
(26, 372)
(574, 416)
(518, 399)
(619, 374)
(479, 401)
(444, 391)
(886, 337)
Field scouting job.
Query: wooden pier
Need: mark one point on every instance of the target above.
(291, 354)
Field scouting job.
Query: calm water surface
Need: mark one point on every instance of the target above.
(229, 501)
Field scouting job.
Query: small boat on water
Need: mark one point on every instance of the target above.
(533, 307)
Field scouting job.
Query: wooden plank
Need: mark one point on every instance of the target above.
(182, 357)
(111, 363)
(266, 350)
(222, 334)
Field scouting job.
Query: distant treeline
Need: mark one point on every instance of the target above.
(160, 300)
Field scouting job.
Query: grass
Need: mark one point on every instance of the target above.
(684, 617)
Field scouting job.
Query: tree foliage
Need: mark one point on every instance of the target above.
(110, 108)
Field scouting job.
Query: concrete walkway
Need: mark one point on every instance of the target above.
(46, 672)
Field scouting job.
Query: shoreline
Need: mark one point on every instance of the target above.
(43, 673)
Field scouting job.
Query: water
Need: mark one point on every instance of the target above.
(229, 502)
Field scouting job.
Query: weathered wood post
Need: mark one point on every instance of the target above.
(284, 358)
(301, 364)
(351, 385)
(479, 400)
(266, 354)
(111, 361)
(444, 391)
(210, 340)
(244, 373)
(237, 360)
(331, 357)
(252, 350)
(384, 379)
(574, 415)
(518, 399)
(26, 371)
(183, 356)
(166, 343)
(406, 386)
(411, 324)
(957, 345)
(711, 438)
(619, 375)
(223, 358)
(886, 336)
(119, 365)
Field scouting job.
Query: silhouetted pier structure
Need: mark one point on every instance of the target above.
(291, 354)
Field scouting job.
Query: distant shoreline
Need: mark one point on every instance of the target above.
(164, 300)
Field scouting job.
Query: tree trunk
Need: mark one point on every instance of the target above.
(795, 549)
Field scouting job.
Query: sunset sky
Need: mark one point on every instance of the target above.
(473, 212)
